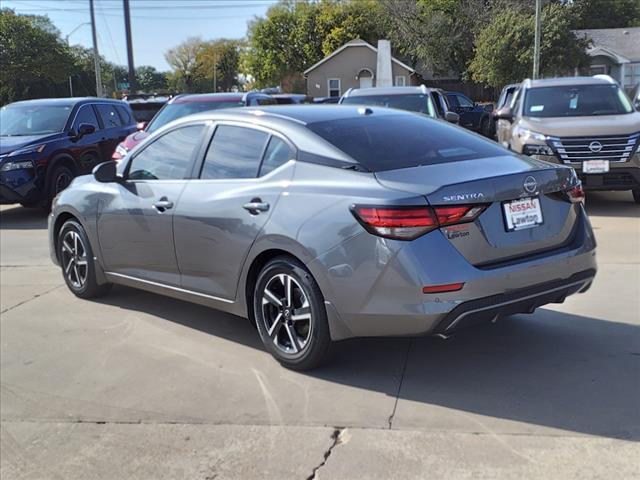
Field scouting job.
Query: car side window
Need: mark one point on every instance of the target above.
(169, 157)
(234, 152)
(453, 101)
(85, 114)
(278, 153)
(464, 101)
(109, 115)
(125, 115)
(438, 101)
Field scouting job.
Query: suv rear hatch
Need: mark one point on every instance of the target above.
(526, 208)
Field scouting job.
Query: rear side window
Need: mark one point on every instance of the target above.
(464, 101)
(389, 142)
(234, 152)
(169, 157)
(124, 115)
(278, 153)
(109, 115)
(85, 115)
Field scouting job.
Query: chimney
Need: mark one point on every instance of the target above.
(383, 70)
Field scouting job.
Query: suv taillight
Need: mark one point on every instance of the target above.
(409, 222)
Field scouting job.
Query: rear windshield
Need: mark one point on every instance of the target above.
(388, 142)
(173, 111)
(576, 101)
(420, 103)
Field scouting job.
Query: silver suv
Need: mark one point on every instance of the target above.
(586, 122)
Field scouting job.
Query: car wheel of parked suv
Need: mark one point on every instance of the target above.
(76, 260)
(636, 195)
(290, 314)
(60, 179)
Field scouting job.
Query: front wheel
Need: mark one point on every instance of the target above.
(76, 260)
(636, 196)
(290, 314)
(61, 178)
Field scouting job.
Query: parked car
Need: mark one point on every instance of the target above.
(503, 104)
(292, 98)
(414, 99)
(587, 123)
(321, 223)
(144, 107)
(45, 143)
(326, 100)
(473, 116)
(187, 104)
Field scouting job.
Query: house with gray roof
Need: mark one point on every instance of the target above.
(615, 52)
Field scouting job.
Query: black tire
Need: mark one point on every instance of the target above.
(485, 128)
(77, 263)
(636, 196)
(60, 178)
(297, 344)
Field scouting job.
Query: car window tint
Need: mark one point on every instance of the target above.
(388, 142)
(278, 153)
(234, 152)
(109, 115)
(464, 101)
(167, 158)
(85, 115)
(124, 115)
(438, 102)
(453, 101)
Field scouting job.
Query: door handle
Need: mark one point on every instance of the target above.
(256, 206)
(162, 205)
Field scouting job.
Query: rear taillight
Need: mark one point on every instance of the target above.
(576, 194)
(407, 223)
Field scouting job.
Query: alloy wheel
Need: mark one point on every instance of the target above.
(74, 259)
(286, 314)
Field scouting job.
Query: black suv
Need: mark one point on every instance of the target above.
(45, 143)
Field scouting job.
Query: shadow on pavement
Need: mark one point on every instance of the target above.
(551, 369)
(21, 218)
(612, 204)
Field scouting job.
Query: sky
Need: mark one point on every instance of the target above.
(156, 25)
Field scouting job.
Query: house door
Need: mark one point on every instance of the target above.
(366, 82)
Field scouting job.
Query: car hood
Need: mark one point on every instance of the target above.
(584, 126)
(9, 144)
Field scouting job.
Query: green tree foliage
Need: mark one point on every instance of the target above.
(295, 35)
(606, 13)
(34, 62)
(185, 61)
(504, 49)
(149, 79)
(219, 62)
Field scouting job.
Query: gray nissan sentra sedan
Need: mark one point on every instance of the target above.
(321, 223)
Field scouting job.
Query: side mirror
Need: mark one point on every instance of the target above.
(489, 107)
(452, 117)
(141, 125)
(505, 114)
(85, 129)
(105, 172)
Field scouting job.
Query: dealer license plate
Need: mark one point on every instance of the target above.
(523, 213)
(595, 166)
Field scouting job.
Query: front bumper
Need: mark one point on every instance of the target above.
(621, 178)
(19, 186)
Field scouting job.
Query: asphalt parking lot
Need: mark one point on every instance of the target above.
(141, 386)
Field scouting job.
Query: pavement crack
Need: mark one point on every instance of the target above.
(29, 299)
(404, 369)
(338, 436)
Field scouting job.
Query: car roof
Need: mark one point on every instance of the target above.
(564, 81)
(216, 97)
(361, 92)
(69, 102)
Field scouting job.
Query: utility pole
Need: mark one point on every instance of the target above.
(215, 72)
(536, 46)
(127, 28)
(96, 56)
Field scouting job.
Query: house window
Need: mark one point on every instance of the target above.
(334, 87)
(631, 75)
(401, 81)
(598, 70)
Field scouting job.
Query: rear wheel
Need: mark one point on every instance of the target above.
(290, 314)
(76, 260)
(636, 196)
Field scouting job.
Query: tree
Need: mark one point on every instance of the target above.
(218, 62)
(504, 49)
(149, 79)
(184, 59)
(606, 13)
(34, 62)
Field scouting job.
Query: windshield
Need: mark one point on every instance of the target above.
(173, 111)
(23, 120)
(420, 103)
(576, 101)
(144, 112)
(388, 142)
